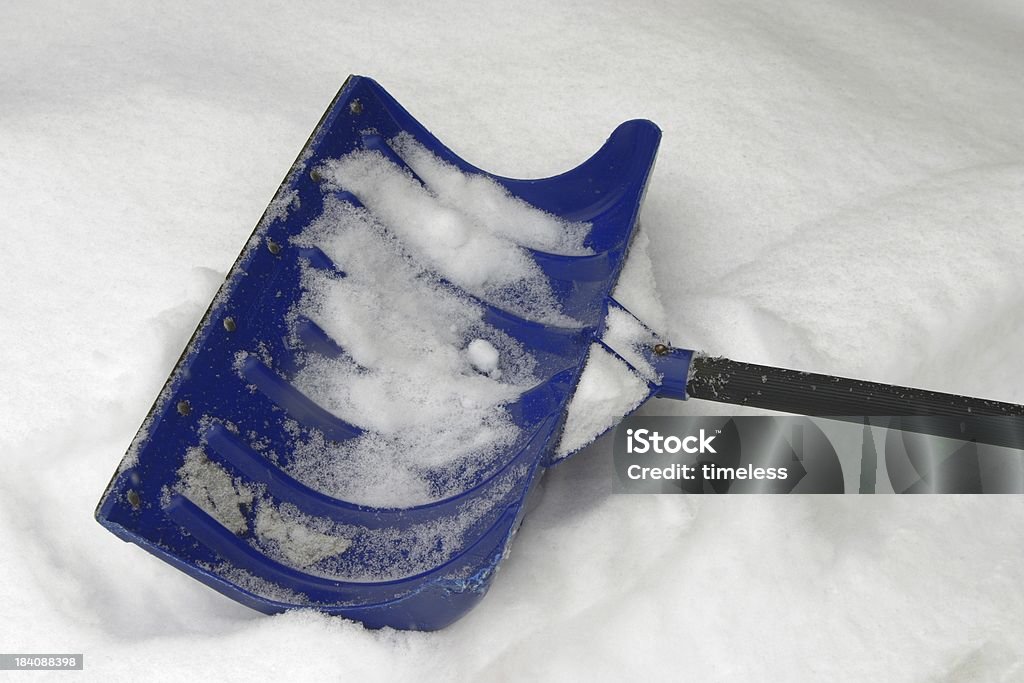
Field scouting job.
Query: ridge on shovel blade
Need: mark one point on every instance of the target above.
(231, 393)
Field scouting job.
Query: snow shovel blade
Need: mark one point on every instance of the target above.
(206, 484)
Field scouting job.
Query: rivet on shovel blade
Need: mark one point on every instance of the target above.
(184, 407)
(273, 247)
(229, 324)
(660, 349)
(133, 499)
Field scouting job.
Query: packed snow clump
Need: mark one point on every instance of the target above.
(607, 390)
(212, 488)
(301, 540)
(484, 357)
(456, 233)
(489, 205)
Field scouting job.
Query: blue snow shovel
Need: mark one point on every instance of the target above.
(230, 414)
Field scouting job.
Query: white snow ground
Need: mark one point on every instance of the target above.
(840, 188)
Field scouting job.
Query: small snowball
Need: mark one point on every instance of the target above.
(484, 357)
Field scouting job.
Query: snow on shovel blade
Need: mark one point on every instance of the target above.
(375, 390)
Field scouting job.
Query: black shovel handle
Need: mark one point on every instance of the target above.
(806, 393)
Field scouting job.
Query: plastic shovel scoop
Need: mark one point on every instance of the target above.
(390, 365)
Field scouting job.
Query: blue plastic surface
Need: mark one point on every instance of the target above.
(208, 399)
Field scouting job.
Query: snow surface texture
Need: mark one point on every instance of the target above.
(839, 189)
